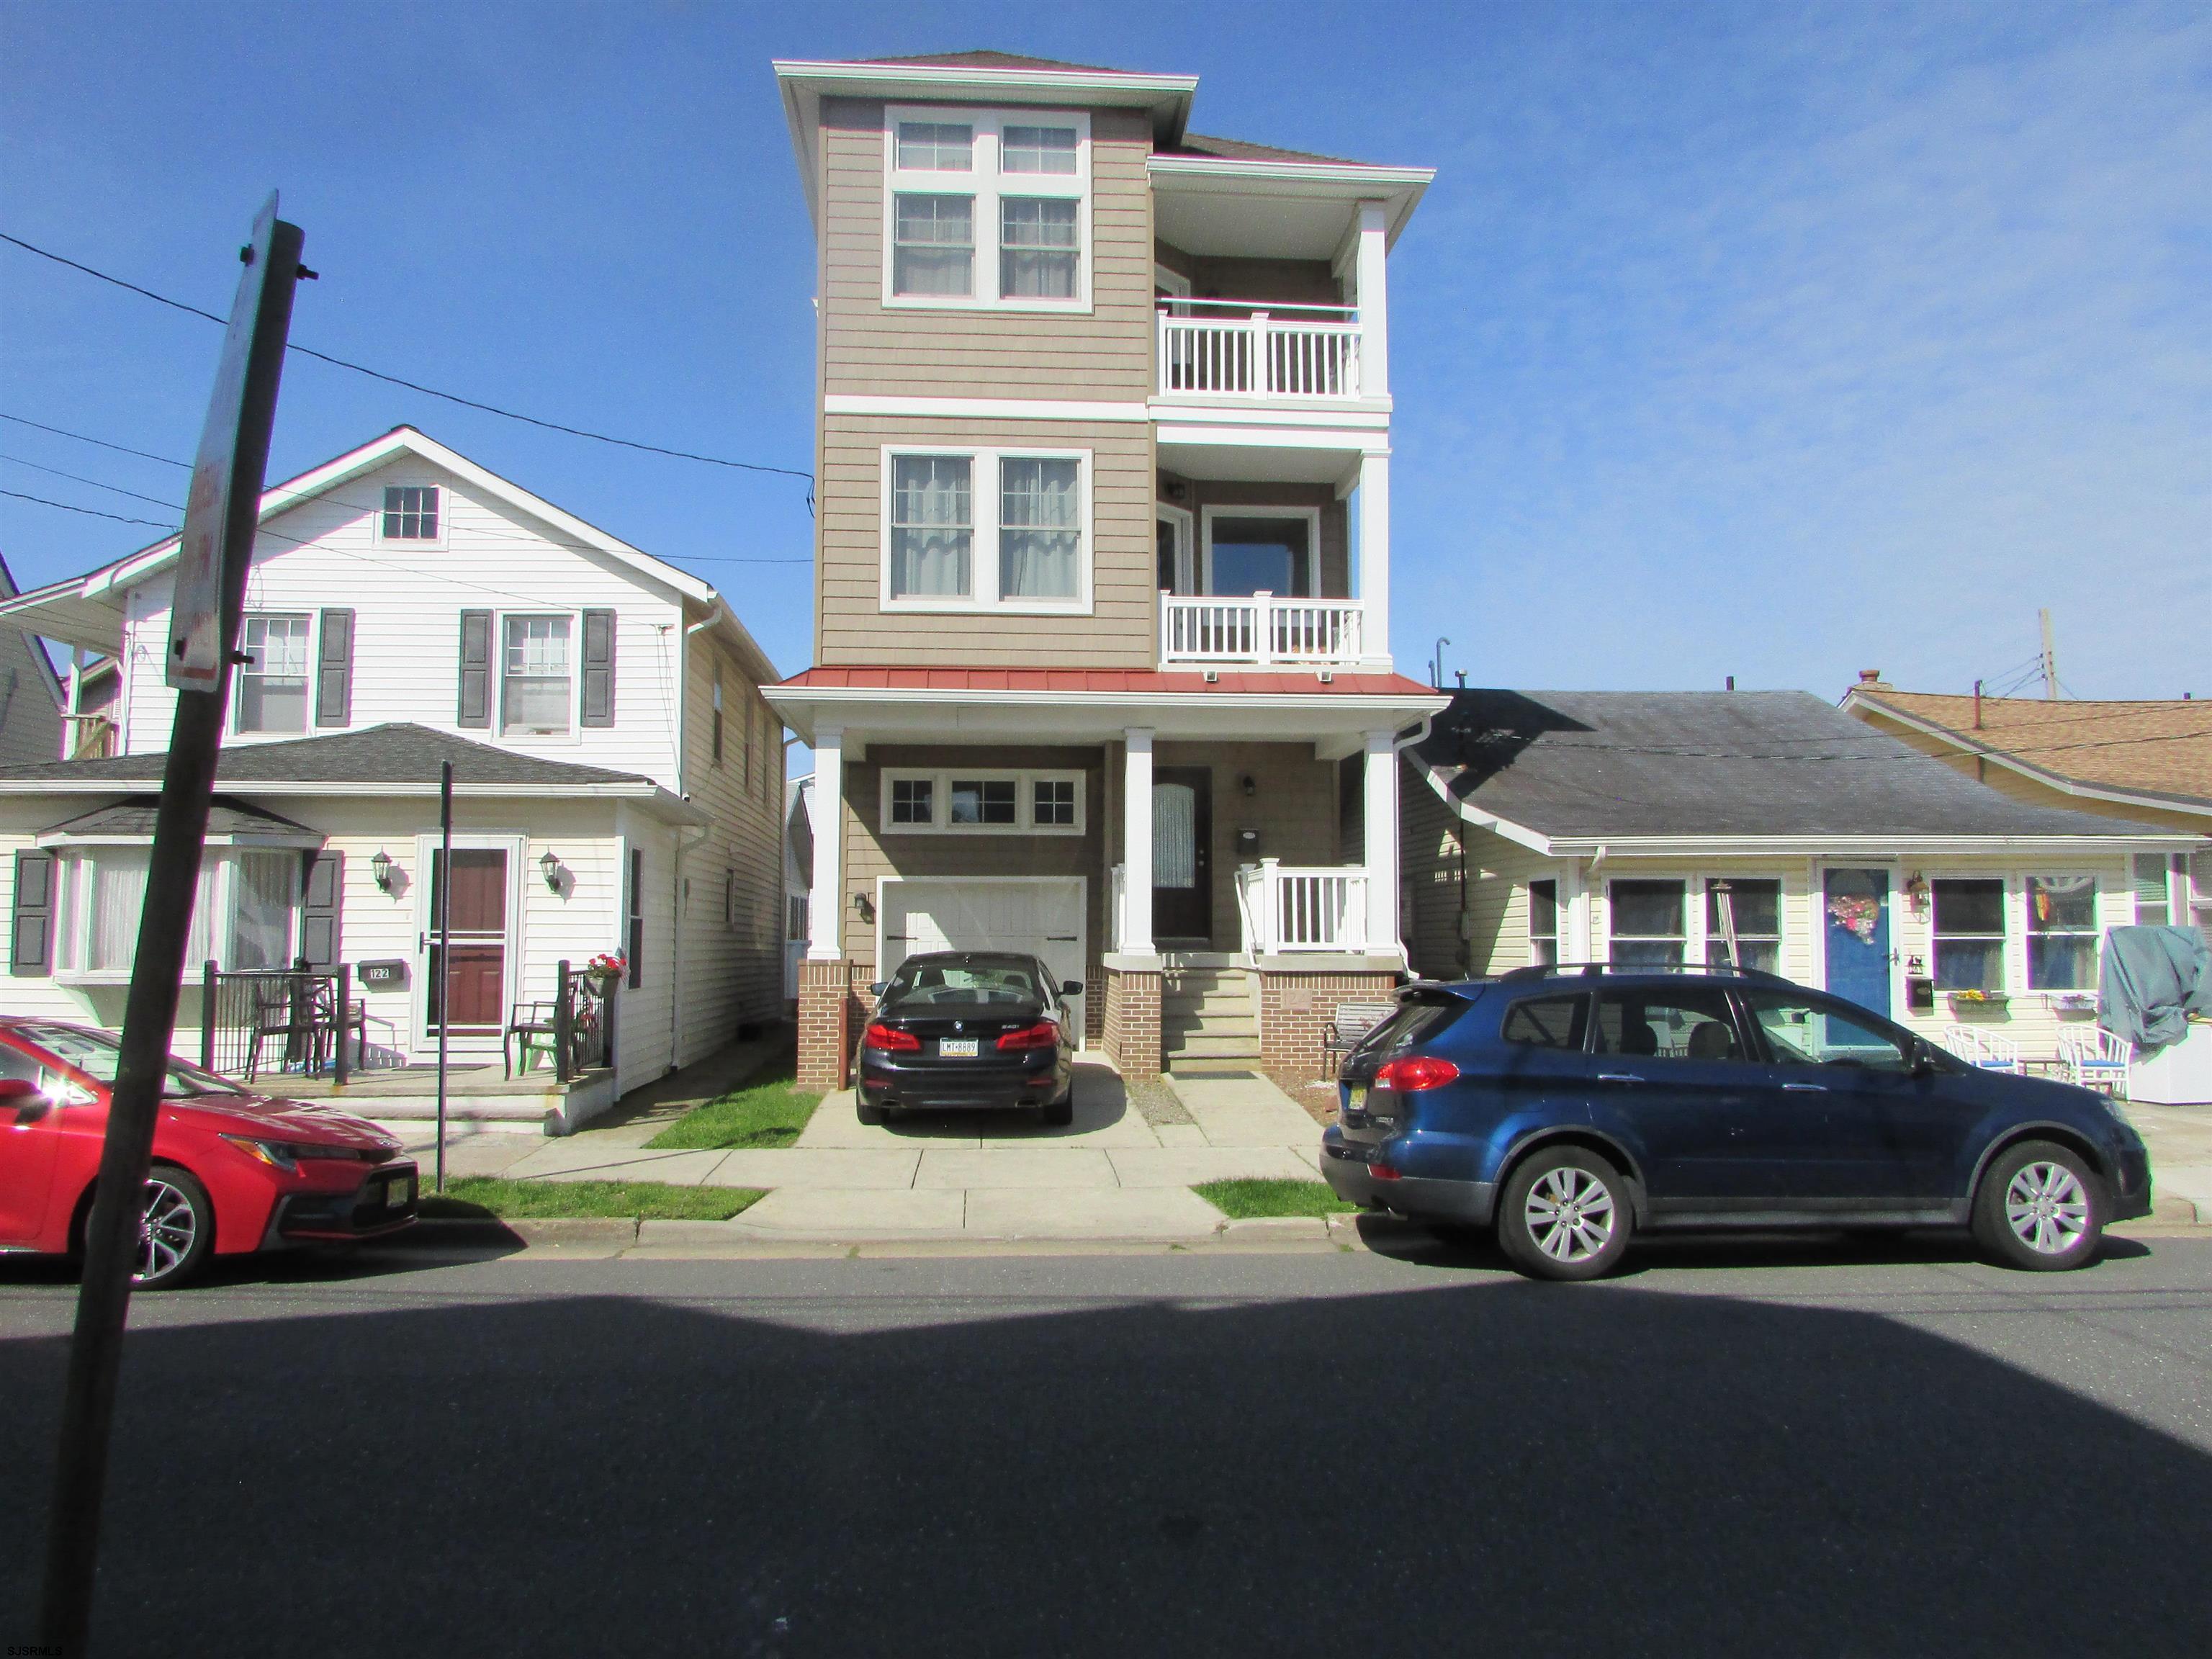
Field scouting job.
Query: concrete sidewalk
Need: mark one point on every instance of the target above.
(1109, 1175)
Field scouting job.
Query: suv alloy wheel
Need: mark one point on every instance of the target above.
(1564, 1214)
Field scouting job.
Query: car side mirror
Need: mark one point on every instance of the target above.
(878, 986)
(1071, 988)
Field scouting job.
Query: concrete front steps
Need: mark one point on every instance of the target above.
(1208, 1015)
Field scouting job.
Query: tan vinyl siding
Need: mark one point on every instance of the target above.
(1103, 353)
(1293, 805)
(852, 625)
(1199, 494)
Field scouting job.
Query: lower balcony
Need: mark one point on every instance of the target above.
(1261, 630)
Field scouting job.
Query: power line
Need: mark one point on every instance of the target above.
(91, 511)
(75, 478)
(81, 438)
(427, 391)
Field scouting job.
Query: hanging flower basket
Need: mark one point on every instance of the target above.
(608, 965)
(1973, 1000)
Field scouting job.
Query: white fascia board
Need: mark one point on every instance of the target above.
(983, 409)
(650, 795)
(302, 841)
(1374, 441)
(1439, 779)
(405, 440)
(1363, 415)
(909, 714)
(1854, 703)
(1880, 846)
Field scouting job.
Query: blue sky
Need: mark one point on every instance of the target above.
(1770, 341)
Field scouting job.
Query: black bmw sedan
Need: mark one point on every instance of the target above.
(969, 1027)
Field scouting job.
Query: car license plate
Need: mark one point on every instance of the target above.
(1357, 1098)
(956, 1048)
(397, 1193)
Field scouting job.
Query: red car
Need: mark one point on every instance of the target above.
(232, 1173)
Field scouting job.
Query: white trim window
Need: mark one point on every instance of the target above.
(2062, 932)
(1241, 555)
(412, 513)
(1754, 905)
(987, 529)
(982, 801)
(1543, 922)
(1643, 921)
(537, 675)
(1967, 925)
(1020, 179)
(2196, 878)
(271, 695)
(1174, 566)
(245, 911)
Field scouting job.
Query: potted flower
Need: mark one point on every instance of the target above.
(608, 966)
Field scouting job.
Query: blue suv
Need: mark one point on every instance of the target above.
(1569, 1108)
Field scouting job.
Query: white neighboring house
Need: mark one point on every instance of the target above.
(617, 777)
(30, 691)
(797, 877)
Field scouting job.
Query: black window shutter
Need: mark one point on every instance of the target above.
(636, 918)
(598, 668)
(319, 910)
(475, 707)
(31, 939)
(334, 685)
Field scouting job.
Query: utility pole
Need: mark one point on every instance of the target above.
(214, 549)
(2050, 659)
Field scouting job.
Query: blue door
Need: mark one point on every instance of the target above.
(1855, 909)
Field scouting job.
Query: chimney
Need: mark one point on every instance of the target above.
(1870, 679)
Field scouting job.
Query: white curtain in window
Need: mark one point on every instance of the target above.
(933, 246)
(1037, 248)
(117, 878)
(1175, 835)
(268, 890)
(932, 525)
(536, 688)
(1040, 528)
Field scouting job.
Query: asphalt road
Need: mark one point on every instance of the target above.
(1780, 1450)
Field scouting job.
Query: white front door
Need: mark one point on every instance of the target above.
(1042, 916)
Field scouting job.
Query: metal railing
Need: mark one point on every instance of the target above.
(1262, 628)
(305, 1015)
(1282, 351)
(1282, 908)
(581, 1020)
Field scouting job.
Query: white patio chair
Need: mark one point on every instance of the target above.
(1999, 1054)
(1964, 1043)
(2096, 1060)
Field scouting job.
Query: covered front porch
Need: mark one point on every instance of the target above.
(1220, 860)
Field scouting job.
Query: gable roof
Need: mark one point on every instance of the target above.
(2158, 751)
(396, 759)
(1596, 766)
(984, 58)
(1239, 150)
(30, 691)
(87, 610)
(229, 822)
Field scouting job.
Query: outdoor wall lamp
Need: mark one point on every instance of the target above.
(380, 867)
(862, 904)
(551, 868)
(1249, 786)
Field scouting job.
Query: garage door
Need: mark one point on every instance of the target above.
(1043, 917)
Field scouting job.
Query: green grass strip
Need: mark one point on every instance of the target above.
(476, 1197)
(1254, 1201)
(768, 1111)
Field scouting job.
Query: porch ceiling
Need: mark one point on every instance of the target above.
(1257, 463)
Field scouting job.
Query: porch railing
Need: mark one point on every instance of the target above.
(1282, 351)
(298, 1019)
(1283, 908)
(1262, 628)
(580, 1023)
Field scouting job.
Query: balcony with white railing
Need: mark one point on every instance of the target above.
(1254, 351)
(1284, 909)
(1262, 630)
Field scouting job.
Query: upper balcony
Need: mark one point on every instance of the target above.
(1254, 351)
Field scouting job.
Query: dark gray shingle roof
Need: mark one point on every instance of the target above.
(135, 817)
(397, 754)
(1578, 764)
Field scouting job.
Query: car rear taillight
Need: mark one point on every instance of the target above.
(1043, 1034)
(1420, 1071)
(1384, 1172)
(896, 1042)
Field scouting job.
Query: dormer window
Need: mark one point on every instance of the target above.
(1019, 178)
(410, 513)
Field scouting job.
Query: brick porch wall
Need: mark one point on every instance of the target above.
(1133, 1021)
(1293, 1008)
(826, 1013)
(1094, 1008)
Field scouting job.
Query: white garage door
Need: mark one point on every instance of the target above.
(1043, 917)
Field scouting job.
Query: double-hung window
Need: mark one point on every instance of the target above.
(987, 528)
(1969, 927)
(537, 690)
(1749, 913)
(1544, 922)
(245, 909)
(1019, 181)
(272, 681)
(2062, 932)
(1646, 923)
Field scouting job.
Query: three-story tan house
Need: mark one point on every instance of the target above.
(1102, 649)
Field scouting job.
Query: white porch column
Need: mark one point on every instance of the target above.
(1137, 843)
(825, 908)
(1381, 836)
(1373, 296)
(1374, 557)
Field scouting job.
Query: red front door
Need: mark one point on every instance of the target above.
(473, 984)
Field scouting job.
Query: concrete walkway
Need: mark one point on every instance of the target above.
(1109, 1175)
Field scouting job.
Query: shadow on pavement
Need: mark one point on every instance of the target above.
(1100, 1100)
(1485, 1465)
